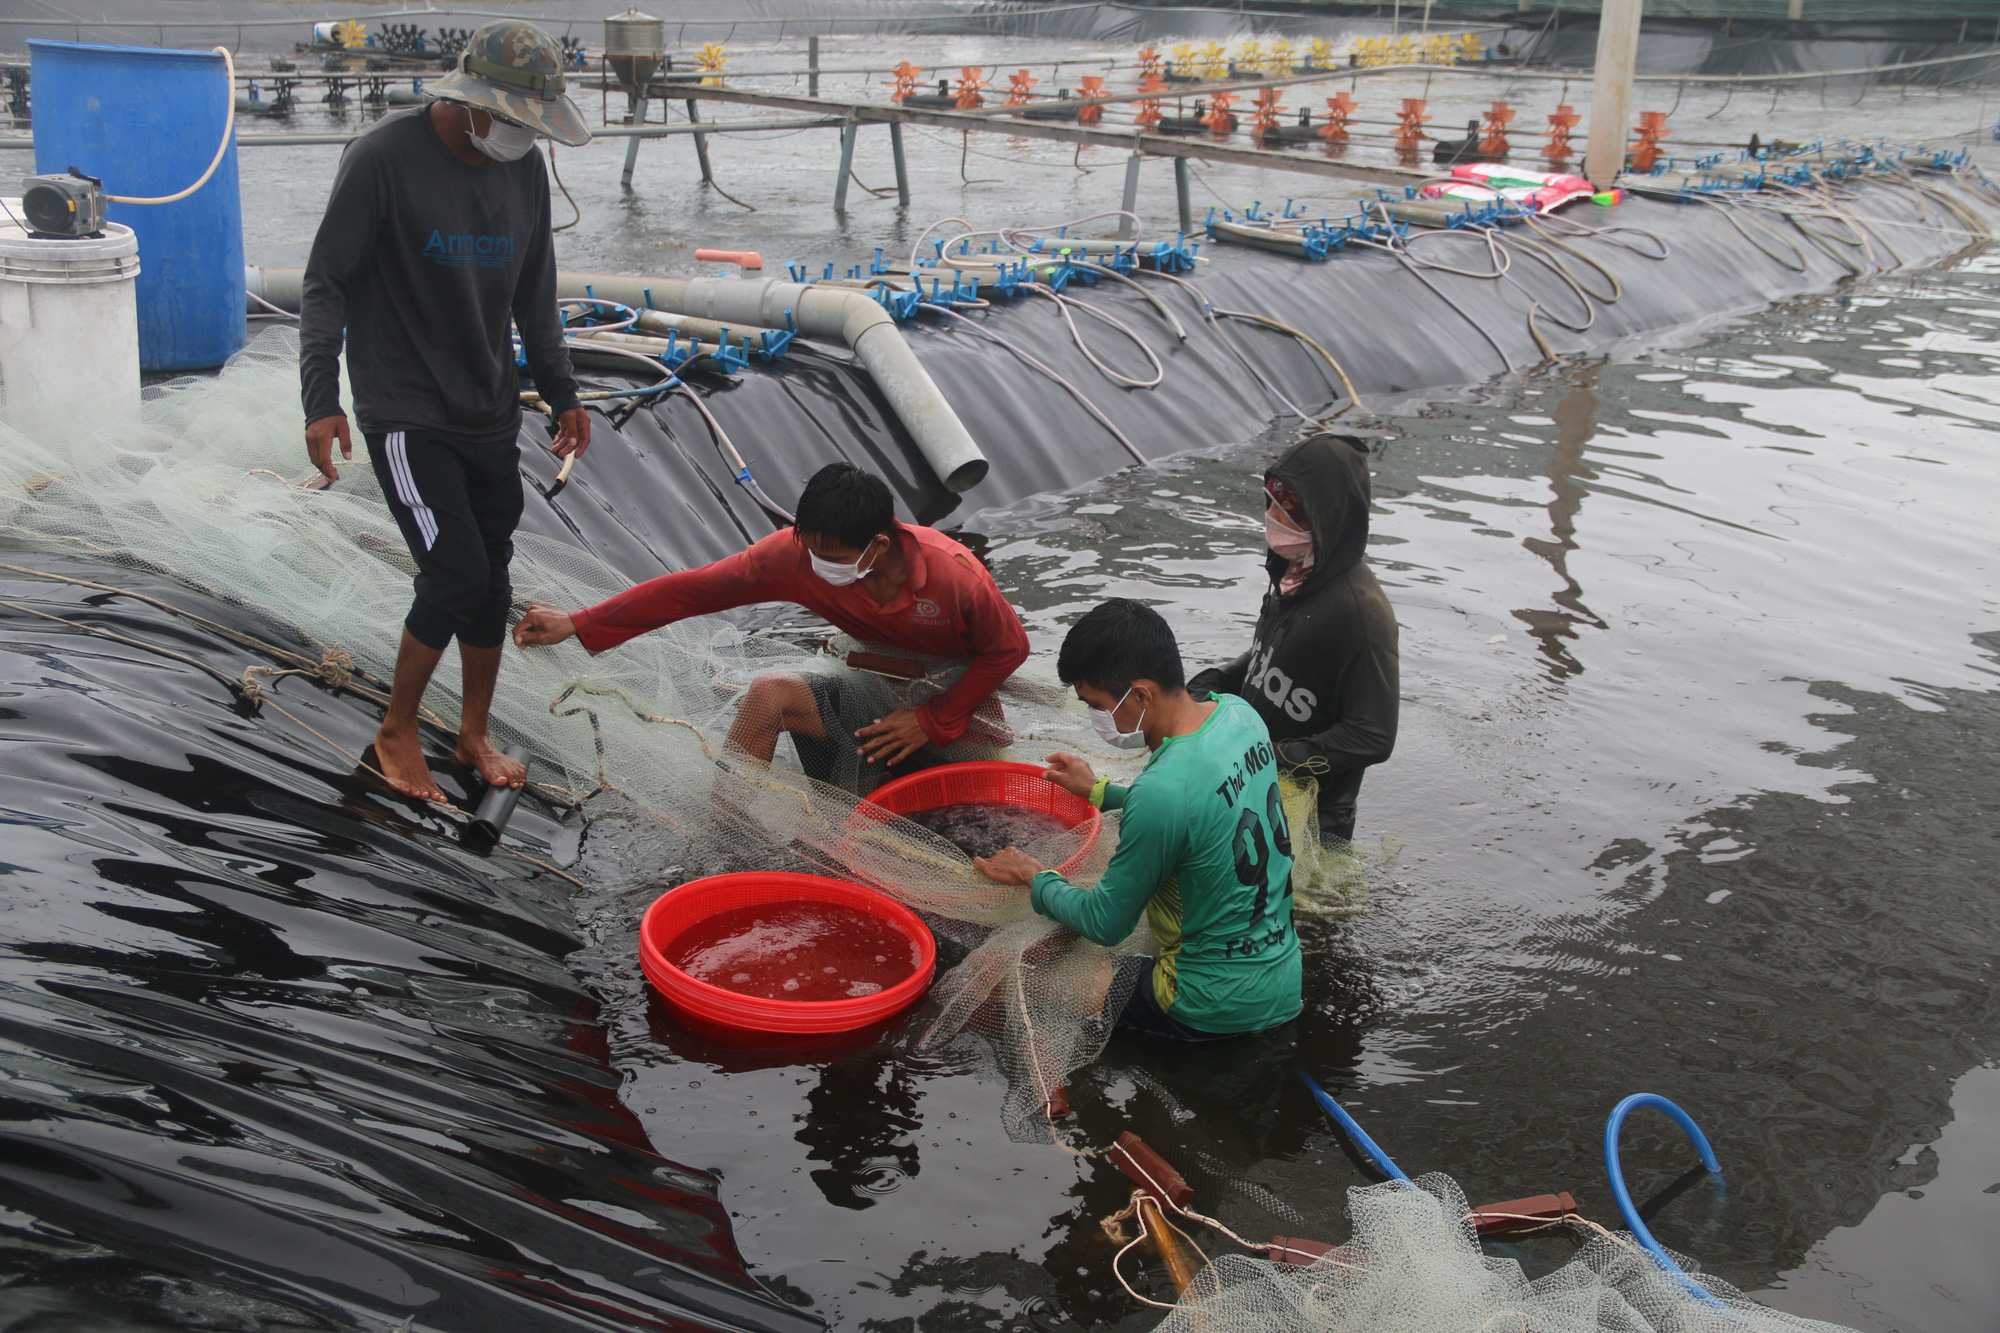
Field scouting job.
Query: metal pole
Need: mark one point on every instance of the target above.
(700, 145)
(847, 134)
(1611, 90)
(1181, 194)
(902, 168)
(632, 145)
(1131, 200)
(812, 67)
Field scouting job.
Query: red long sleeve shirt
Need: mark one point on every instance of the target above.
(948, 607)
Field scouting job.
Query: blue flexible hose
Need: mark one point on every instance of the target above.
(1616, 1175)
(1357, 1135)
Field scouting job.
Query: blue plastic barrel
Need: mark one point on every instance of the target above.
(146, 122)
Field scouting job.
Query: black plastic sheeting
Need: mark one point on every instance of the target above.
(274, 1050)
(657, 494)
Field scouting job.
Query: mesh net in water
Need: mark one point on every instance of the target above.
(196, 488)
(1414, 1266)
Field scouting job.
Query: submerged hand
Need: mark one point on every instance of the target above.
(543, 628)
(892, 739)
(572, 433)
(320, 436)
(1009, 865)
(1071, 772)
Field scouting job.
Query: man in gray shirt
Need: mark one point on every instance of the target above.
(436, 238)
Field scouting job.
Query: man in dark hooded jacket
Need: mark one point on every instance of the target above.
(1322, 667)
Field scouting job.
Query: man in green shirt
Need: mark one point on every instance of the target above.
(1203, 848)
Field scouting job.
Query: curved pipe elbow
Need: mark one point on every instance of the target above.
(853, 317)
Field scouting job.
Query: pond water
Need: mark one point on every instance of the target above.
(1694, 793)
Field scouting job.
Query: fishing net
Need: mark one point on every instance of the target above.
(1414, 1266)
(198, 487)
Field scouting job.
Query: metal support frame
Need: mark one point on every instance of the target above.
(902, 168)
(700, 144)
(1182, 196)
(1130, 202)
(812, 67)
(1006, 121)
(847, 133)
(632, 144)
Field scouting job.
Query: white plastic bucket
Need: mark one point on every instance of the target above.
(69, 322)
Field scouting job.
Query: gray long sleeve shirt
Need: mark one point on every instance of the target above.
(420, 262)
(1324, 670)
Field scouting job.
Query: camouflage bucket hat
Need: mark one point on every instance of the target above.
(514, 69)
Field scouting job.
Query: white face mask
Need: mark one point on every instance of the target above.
(1105, 724)
(503, 140)
(840, 576)
(1286, 541)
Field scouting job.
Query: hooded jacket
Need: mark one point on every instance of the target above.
(1322, 670)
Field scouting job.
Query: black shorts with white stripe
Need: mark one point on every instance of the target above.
(457, 505)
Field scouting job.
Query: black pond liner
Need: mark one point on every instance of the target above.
(272, 1043)
(657, 495)
(276, 1049)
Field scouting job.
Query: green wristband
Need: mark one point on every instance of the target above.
(1097, 792)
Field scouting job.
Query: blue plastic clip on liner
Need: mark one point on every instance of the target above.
(1010, 278)
(1086, 274)
(901, 305)
(1331, 236)
(730, 358)
(1616, 1175)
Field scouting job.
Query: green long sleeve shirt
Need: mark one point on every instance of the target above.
(1205, 854)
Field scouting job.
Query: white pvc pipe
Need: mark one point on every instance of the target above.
(282, 287)
(662, 322)
(817, 311)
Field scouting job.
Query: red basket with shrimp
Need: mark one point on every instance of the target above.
(990, 782)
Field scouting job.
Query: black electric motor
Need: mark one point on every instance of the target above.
(63, 207)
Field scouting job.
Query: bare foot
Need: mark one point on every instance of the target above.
(480, 754)
(402, 760)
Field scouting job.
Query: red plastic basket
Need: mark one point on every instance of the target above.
(993, 782)
(676, 910)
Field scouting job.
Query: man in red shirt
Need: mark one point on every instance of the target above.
(849, 560)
